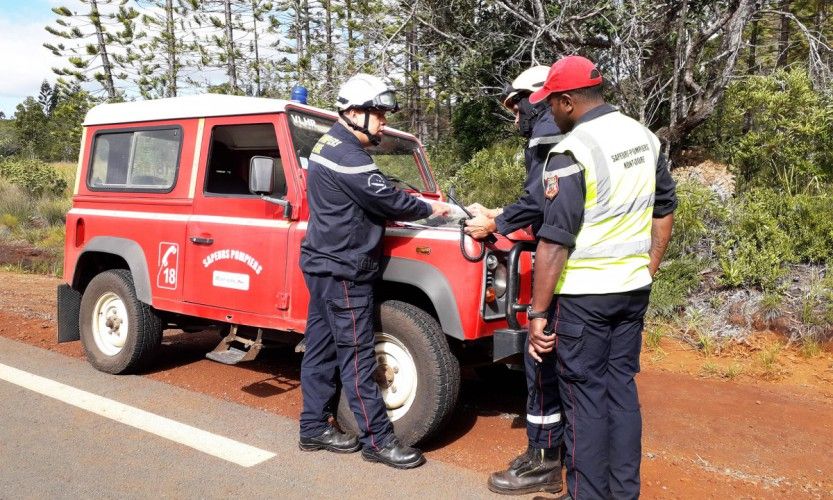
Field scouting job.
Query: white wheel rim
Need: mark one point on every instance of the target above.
(110, 324)
(400, 390)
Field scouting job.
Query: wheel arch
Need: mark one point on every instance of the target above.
(424, 286)
(104, 253)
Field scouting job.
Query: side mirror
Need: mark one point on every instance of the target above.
(261, 175)
(262, 181)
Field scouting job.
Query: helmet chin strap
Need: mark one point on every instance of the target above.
(529, 115)
(374, 139)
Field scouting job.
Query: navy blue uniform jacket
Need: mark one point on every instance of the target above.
(529, 208)
(350, 201)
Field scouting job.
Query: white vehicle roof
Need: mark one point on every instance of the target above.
(194, 106)
(191, 106)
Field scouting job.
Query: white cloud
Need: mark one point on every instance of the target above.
(25, 61)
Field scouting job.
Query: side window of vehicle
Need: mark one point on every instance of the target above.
(232, 148)
(135, 160)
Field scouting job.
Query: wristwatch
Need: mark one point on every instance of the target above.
(532, 314)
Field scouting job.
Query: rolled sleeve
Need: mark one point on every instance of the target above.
(665, 196)
(564, 212)
(527, 210)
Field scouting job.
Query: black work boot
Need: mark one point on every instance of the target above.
(537, 469)
(332, 439)
(394, 454)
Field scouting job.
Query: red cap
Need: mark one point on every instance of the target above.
(568, 73)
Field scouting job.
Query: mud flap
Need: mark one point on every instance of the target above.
(69, 308)
(507, 343)
(233, 349)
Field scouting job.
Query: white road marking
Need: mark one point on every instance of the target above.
(207, 442)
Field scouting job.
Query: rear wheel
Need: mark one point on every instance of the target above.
(418, 376)
(119, 332)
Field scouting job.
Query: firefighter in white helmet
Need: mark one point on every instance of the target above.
(350, 201)
(534, 122)
(539, 468)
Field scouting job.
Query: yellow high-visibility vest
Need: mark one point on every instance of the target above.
(617, 156)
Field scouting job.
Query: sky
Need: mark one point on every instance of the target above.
(24, 61)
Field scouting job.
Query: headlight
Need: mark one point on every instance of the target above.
(491, 262)
(500, 280)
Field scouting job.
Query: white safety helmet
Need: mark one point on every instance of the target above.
(529, 81)
(364, 91)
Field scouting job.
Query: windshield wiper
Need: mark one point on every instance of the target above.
(400, 181)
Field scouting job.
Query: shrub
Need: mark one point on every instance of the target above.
(755, 246)
(673, 284)
(494, 176)
(767, 142)
(809, 225)
(445, 162)
(34, 176)
(698, 221)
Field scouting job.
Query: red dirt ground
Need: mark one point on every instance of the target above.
(703, 437)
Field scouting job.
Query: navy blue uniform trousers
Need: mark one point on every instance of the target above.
(340, 341)
(598, 340)
(544, 420)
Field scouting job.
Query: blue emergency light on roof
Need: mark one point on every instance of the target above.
(299, 94)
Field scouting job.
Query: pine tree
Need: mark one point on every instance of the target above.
(168, 48)
(48, 97)
(98, 43)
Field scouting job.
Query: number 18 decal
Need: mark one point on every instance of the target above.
(168, 265)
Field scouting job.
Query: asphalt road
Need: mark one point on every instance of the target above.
(52, 448)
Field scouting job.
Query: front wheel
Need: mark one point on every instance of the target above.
(118, 331)
(418, 376)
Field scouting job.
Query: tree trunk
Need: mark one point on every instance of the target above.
(230, 59)
(255, 13)
(106, 67)
(351, 51)
(299, 43)
(682, 34)
(784, 37)
(751, 69)
(173, 69)
(329, 60)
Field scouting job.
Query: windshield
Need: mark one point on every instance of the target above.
(397, 157)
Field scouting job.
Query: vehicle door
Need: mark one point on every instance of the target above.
(236, 242)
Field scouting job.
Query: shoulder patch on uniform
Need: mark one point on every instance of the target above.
(377, 183)
(550, 185)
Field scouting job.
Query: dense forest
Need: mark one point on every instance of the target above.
(741, 89)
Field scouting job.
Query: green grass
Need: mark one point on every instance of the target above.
(768, 361)
(37, 222)
(712, 369)
(654, 335)
(810, 348)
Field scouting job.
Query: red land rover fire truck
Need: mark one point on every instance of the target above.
(189, 213)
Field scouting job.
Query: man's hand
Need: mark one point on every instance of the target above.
(480, 227)
(440, 208)
(539, 342)
(478, 209)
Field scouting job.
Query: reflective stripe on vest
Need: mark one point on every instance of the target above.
(618, 157)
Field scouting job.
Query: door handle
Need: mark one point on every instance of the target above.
(199, 240)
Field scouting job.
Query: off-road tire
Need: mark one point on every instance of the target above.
(144, 332)
(438, 372)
